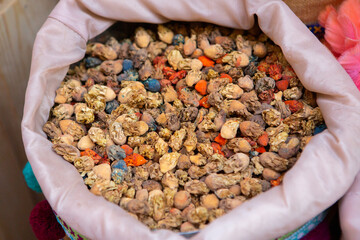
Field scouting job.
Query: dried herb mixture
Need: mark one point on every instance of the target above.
(182, 125)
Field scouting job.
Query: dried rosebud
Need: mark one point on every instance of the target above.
(51, 130)
(168, 161)
(250, 187)
(215, 181)
(273, 161)
(196, 187)
(198, 215)
(251, 129)
(229, 129)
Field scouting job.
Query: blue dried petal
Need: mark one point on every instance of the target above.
(254, 58)
(120, 164)
(92, 62)
(127, 65)
(115, 152)
(178, 38)
(111, 106)
(132, 75)
(122, 77)
(152, 85)
(152, 126)
(118, 175)
(253, 154)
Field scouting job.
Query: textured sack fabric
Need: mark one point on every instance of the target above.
(308, 10)
(324, 172)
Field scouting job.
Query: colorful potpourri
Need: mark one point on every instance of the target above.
(182, 125)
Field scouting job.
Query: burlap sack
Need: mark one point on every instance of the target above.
(308, 10)
(321, 176)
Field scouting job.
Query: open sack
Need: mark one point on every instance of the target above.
(322, 175)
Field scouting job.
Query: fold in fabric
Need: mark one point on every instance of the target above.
(349, 212)
(324, 172)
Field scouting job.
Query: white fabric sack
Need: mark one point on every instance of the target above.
(324, 172)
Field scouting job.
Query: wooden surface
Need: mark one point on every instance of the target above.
(19, 22)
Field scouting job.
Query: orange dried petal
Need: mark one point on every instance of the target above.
(224, 75)
(201, 87)
(135, 160)
(263, 67)
(91, 153)
(220, 140)
(263, 140)
(275, 71)
(217, 148)
(128, 150)
(277, 181)
(207, 62)
(204, 102)
(219, 60)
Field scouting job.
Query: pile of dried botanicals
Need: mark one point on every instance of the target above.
(182, 125)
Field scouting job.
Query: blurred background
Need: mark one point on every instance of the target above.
(20, 20)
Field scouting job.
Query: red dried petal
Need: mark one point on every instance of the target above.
(263, 140)
(260, 149)
(267, 96)
(275, 71)
(282, 85)
(263, 66)
(294, 105)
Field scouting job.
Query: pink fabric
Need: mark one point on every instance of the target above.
(322, 175)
